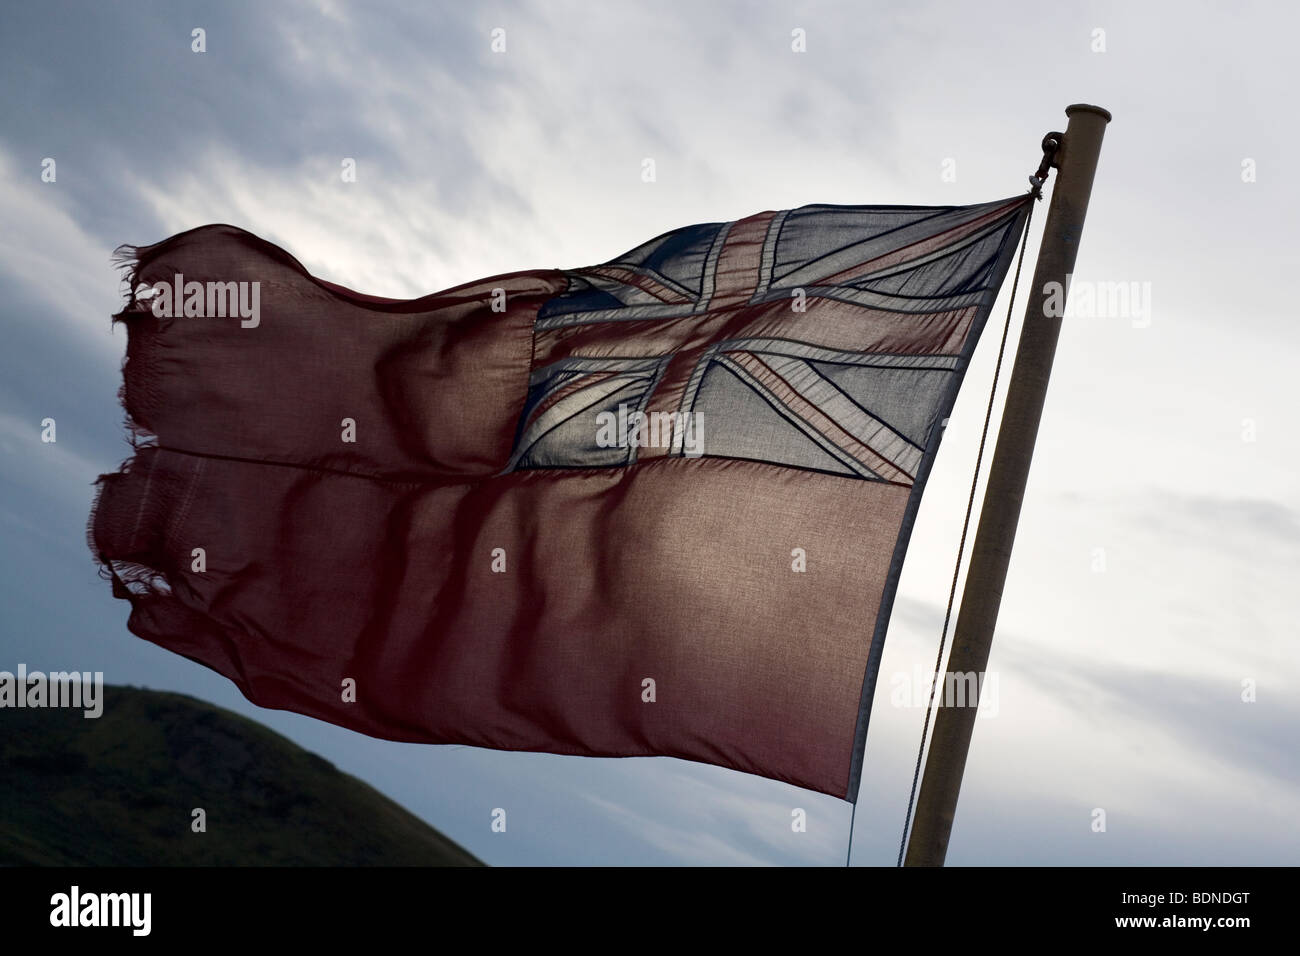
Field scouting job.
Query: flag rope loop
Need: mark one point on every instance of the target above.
(1051, 143)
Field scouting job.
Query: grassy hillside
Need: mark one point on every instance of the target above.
(119, 790)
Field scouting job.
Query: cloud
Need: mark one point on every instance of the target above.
(1122, 687)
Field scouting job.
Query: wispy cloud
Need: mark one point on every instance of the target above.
(1121, 686)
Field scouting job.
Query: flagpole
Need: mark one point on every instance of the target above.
(1076, 162)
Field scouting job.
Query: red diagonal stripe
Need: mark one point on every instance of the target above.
(921, 247)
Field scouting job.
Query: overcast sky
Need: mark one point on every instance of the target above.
(1159, 547)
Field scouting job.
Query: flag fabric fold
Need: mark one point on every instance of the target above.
(657, 506)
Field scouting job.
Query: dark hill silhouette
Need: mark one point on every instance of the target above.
(119, 790)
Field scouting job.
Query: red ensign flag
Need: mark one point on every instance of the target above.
(653, 507)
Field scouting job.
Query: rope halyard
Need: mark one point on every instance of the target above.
(1051, 143)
